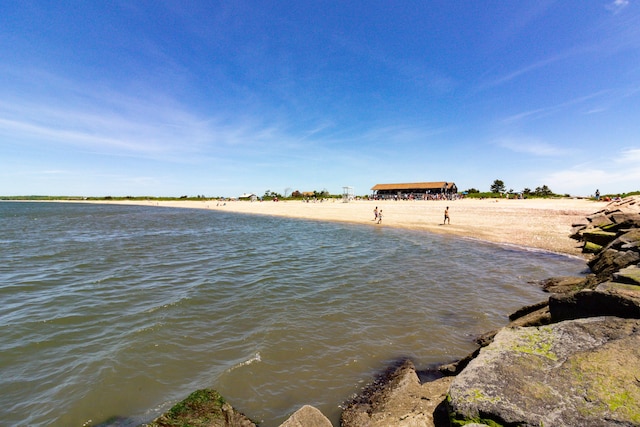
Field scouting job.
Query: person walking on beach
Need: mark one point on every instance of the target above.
(446, 216)
(379, 217)
(375, 213)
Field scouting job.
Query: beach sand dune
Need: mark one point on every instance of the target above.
(534, 223)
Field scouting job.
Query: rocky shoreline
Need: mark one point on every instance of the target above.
(572, 360)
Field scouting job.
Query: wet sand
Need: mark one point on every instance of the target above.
(535, 223)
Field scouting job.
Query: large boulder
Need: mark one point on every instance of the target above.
(398, 398)
(620, 253)
(604, 226)
(608, 299)
(583, 372)
(307, 416)
(563, 284)
(202, 408)
(629, 275)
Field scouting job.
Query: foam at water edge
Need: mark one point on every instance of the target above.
(256, 358)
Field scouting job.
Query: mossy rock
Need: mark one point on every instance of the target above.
(629, 275)
(599, 237)
(591, 248)
(584, 370)
(202, 408)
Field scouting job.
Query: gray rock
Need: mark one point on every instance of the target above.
(563, 284)
(609, 261)
(583, 372)
(629, 275)
(202, 408)
(398, 400)
(599, 219)
(608, 299)
(307, 416)
(599, 236)
(625, 220)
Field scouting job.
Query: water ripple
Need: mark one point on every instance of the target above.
(135, 307)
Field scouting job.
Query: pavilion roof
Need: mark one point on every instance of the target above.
(414, 186)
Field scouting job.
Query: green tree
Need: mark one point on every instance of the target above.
(271, 194)
(543, 191)
(498, 186)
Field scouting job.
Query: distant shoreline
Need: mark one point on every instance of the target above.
(543, 224)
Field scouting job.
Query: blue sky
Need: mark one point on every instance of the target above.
(170, 98)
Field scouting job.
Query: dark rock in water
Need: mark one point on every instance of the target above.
(540, 317)
(527, 310)
(608, 299)
(582, 372)
(562, 285)
(399, 399)
(307, 416)
(454, 368)
(202, 408)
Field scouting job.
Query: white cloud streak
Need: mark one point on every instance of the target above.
(613, 177)
(530, 146)
(617, 5)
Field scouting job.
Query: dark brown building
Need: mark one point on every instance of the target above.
(414, 188)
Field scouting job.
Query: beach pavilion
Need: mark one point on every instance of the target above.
(414, 189)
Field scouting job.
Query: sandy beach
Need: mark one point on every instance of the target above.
(535, 223)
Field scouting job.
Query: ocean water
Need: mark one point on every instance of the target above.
(110, 314)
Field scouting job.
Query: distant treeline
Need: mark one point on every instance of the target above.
(76, 198)
(471, 193)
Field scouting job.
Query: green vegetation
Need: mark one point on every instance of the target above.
(459, 422)
(608, 384)
(200, 408)
(498, 186)
(499, 190)
(474, 395)
(538, 342)
(621, 195)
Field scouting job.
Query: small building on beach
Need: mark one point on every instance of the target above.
(248, 196)
(415, 190)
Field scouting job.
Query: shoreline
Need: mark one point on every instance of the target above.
(540, 224)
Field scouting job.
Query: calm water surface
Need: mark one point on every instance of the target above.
(110, 314)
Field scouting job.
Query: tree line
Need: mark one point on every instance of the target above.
(498, 187)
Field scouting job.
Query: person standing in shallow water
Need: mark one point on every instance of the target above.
(446, 216)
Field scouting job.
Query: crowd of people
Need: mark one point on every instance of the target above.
(418, 196)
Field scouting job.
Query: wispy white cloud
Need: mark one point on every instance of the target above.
(521, 71)
(614, 177)
(120, 126)
(631, 155)
(530, 146)
(617, 5)
(552, 109)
